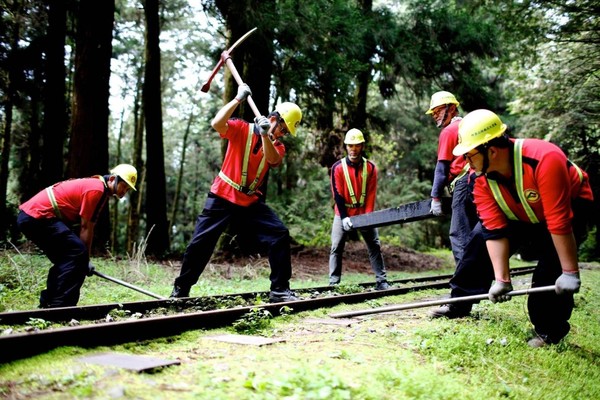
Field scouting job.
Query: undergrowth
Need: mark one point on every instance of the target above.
(400, 355)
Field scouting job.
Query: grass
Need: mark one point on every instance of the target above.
(402, 355)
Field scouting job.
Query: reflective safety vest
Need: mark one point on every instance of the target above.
(250, 189)
(462, 173)
(518, 171)
(361, 202)
(50, 193)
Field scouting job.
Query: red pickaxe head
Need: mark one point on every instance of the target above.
(224, 56)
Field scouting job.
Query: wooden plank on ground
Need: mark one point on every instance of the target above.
(128, 361)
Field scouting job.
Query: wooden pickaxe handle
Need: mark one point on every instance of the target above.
(240, 82)
(206, 86)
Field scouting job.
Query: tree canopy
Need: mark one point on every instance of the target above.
(364, 64)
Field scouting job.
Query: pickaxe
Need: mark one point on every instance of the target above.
(410, 306)
(226, 59)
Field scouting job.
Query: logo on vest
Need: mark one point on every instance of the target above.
(532, 196)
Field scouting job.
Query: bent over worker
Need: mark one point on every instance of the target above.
(354, 189)
(531, 194)
(237, 194)
(453, 172)
(50, 220)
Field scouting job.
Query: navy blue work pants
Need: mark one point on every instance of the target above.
(66, 251)
(464, 216)
(548, 311)
(474, 272)
(212, 222)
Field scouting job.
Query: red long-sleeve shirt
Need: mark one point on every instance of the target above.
(446, 143)
(237, 134)
(76, 199)
(550, 182)
(341, 194)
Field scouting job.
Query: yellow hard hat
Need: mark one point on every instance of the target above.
(441, 98)
(291, 114)
(476, 128)
(354, 136)
(126, 172)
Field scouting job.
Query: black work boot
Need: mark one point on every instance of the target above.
(179, 292)
(451, 311)
(280, 296)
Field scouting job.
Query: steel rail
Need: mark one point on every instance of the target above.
(99, 311)
(23, 345)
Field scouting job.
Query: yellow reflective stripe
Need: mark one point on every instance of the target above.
(355, 203)
(242, 187)
(246, 156)
(462, 173)
(518, 166)
(518, 173)
(101, 180)
(50, 193)
(579, 172)
(500, 200)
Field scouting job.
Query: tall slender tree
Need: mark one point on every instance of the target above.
(156, 197)
(88, 146)
(54, 128)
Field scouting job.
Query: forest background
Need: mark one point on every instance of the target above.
(88, 84)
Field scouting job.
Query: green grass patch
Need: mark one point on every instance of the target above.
(401, 355)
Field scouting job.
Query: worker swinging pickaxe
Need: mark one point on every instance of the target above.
(226, 59)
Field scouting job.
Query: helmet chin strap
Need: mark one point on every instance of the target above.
(486, 164)
(115, 186)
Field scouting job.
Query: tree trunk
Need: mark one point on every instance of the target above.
(180, 174)
(156, 203)
(5, 150)
(88, 151)
(54, 129)
(135, 197)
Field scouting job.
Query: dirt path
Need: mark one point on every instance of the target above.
(313, 261)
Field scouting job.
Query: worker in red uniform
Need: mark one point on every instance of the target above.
(354, 188)
(237, 194)
(452, 172)
(51, 218)
(531, 194)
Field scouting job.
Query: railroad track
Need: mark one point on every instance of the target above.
(186, 314)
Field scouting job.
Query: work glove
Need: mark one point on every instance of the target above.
(91, 269)
(568, 282)
(436, 207)
(263, 123)
(497, 293)
(243, 92)
(347, 224)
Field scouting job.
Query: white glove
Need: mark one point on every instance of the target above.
(436, 207)
(497, 293)
(568, 282)
(243, 92)
(347, 224)
(263, 123)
